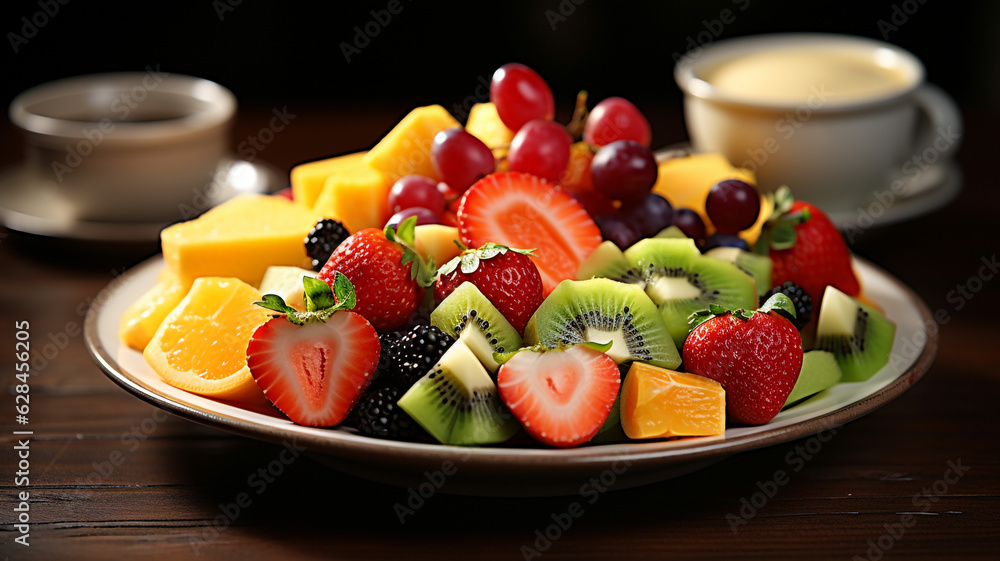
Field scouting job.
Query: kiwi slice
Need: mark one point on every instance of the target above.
(757, 266)
(681, 281)
(820, 371)
(857, 334)
(602, 311)
(671, 232)
(469, 316)
(458, 403)
(607, 261)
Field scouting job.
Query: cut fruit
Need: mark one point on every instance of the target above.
(757, 266)
(467, 315)
(608, 261)
(671, 232)
(520, 210)
(611, 431)
(561, 397)
(602, 311)
(858, 335)
(457, 402)
(820, 371)
(201, 345)
(406, 149)
(681, 281)
(309, 178)
(141, 320)
(485, 124)
(660, 403)
(287, 283)
(436, 241)
(357, 196)
(240, 238)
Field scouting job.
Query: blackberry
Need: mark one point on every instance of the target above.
(802, 301)
(376, 414)
(416, 353)
(323, 239)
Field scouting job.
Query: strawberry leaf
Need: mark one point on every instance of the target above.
(404, 233)
(344, 292)
(470, 262)
(782, 236)
(778, 301)
(277, 304)
(450, 266)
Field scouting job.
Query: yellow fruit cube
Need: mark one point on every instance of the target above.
(357, 197)
(240, 238)
(406, 150)
(485, 124)
(308, 179)
(436, 241)
(141, 320)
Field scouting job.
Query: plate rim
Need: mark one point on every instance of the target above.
(356, 448)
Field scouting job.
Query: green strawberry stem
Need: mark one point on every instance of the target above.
(469, 259)
(778, 301)
(405, 233)
(321, 301)
(779, 229)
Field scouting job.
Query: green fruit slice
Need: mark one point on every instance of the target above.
(858, 335)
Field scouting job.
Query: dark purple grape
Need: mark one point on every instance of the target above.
(650, 215)
(616, 228)
(424, 216)
(460, 159)
(624, 170)
(690, 223)
(719, 239)
(732, 206)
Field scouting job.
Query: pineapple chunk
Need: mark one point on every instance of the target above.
(406, 149)
(357, 197)
(436, 241)
(308, 179)
(485, 124)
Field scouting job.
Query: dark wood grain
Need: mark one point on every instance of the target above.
(162, 500)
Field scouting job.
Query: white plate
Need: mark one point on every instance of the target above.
(33, 207)
(511, 471)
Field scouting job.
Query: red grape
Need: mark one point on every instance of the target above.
(732, 205)
(614, 119)
(615, 228)
(650, 215)
(690, 223)
(424, 216)
(541, 148)
(460, 159)
(416, 191)
(624, 170)
(521, 95)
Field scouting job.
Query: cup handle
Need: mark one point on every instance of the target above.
(944, 122)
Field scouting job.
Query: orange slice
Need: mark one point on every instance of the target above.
(660, 403)
(201, 345)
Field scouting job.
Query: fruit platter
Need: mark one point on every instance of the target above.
(530, 301)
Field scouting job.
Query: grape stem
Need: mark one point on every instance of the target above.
(579, 120)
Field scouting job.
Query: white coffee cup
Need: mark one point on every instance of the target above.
(126, 147)
(834, 117)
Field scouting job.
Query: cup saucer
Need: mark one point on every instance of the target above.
(32, 206)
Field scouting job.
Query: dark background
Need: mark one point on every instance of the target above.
(278, 54)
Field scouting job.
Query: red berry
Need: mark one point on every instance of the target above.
(416, 191)
(541, 148)
(460, 159)
(521, 95)
(613, 119)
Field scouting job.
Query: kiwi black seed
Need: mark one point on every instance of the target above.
(858, 335)
(458, 403)
(681, 281)
(601, 311)
(466, 314)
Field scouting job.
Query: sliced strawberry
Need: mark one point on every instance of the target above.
(561, 397)
(520, 210)
(314, 373)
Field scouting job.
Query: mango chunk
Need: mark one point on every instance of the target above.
(141, 320)
(436, 241)
(406, 149)
(356, 196)
(308, 179)
(485, 124)
(240, 238)
(661, 403)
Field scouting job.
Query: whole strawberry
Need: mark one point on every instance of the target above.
(807, 249)
(388, 275)
(756, 356)
(507, 277)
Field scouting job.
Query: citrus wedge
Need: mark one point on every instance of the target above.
(661, 403)
(201, 345)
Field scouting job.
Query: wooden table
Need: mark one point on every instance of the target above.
(113, 476)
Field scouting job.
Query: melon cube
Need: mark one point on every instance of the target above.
(308, 179)
(406, 149)
(485, 124)
(357, 197)
(661, 403)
